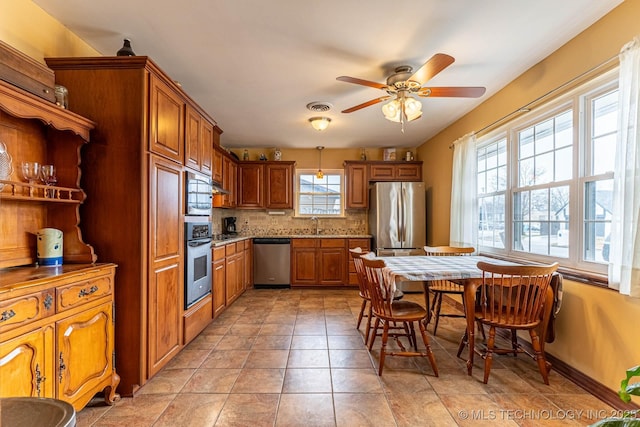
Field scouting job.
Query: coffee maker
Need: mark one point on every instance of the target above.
(229, 224)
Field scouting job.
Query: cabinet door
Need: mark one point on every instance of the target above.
(380, 172)
(231, 278)
(233, 184)
(192, 139)
(303, 262)
(84, 357)
(279, 186)
(332, 262)
(250, 192)
(216, 166)
(26, 365)
(357, 186)
(166, 265)
(409, 172)
(167, 122)
(219, 291)
(206, 146)
(365, 245)
(248, 265)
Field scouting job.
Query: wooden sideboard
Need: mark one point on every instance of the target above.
(56, 329)
(56, 323)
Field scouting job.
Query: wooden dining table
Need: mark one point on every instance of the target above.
(462, 270)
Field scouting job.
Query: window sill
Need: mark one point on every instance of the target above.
(574, 275)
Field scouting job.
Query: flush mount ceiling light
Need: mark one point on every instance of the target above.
(319, 174)
(320, 123)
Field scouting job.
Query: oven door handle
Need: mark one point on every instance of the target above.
(196, 243)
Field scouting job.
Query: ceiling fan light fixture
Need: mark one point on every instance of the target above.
(391, 110)
(407, 105)
(320, 123)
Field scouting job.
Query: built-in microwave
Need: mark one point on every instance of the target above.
(198, 194)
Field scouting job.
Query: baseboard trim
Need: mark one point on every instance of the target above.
(590, 385)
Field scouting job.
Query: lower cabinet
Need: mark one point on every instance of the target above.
(318, 262)
(56, 334)
(232, 268)
(219, 277)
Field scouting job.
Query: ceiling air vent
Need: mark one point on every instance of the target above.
(319, 107)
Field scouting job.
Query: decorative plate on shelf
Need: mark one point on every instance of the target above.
(5, 163)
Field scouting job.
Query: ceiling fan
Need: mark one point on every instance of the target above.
(404, 83)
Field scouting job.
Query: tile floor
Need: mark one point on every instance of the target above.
(295, 358)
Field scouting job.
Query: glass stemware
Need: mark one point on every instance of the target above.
(48, 177)
(31, 171)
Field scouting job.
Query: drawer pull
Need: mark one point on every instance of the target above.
(47, 301)
(7, 314)
(86, 292)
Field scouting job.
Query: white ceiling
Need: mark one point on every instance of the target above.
(254, 65)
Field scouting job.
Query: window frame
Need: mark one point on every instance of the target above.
(578, 100)
(297, 193)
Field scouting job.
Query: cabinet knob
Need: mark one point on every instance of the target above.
(6, 315)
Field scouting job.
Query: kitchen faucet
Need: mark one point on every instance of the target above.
(316, 219)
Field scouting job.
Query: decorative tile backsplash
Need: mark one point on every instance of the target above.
(260, 223)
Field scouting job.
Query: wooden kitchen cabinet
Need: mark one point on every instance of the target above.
(395, 171)
(357, 188)
(250, 188)
(218, 287)
(360, 174)
(134, 176)
(233, 272)
(167, 120)
(248, 264)
(265, 184)
(216, 164)
(56, 333)
(318, 262)
(365, 245)
(229, 183)
(198, 141)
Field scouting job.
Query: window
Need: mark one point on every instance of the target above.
(319, 197)
(548, 176)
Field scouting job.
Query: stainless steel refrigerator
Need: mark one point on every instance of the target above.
(397, 218)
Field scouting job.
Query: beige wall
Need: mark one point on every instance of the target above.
(597, 332)
(26, 27)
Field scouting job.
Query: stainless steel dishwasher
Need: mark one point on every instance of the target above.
(271, 262)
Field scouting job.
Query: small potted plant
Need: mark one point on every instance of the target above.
(630, 418)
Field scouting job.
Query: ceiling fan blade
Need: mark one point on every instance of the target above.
(366, 104)
(433, 66)
(452, 92)
(369, 83)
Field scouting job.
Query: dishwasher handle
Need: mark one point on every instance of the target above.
(271, 241)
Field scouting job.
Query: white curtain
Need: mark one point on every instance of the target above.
(624, 267)
(464, 205)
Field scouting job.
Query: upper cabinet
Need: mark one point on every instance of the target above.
(359, 174)
(265, 184)
(198, 141)
(167, 120)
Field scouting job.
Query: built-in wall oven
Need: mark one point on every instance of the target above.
(197, 271)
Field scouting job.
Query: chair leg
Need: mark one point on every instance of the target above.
(376, 325)
(463, 342)
(369, 318)
(383, 349)
(363, 306)
(430, 356)
(437, 299)
(514, 342)
(539, 356)
(412, 337)
(488, 358)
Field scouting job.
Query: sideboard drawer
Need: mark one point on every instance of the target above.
(82, 292)
(23, 310)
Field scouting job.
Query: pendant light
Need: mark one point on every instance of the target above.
(320, 174)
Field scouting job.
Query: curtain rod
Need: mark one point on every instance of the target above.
(526, 108)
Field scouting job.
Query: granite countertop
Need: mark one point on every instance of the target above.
(216, 243)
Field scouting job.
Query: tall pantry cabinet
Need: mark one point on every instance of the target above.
(134, 176)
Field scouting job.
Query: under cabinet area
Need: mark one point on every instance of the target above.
(56, 333)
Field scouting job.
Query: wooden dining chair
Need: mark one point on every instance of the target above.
(389, 312)
(365, 307)
(443, 287)
(512, 297)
